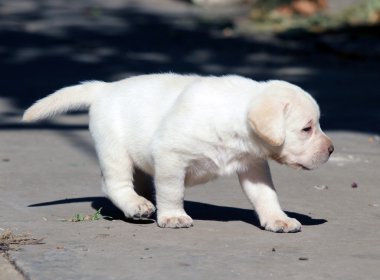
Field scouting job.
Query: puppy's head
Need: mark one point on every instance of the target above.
(286, 119)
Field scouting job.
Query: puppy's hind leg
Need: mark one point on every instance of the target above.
(117, 176)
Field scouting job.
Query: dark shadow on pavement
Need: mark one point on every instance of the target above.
(116, 43)
(305, 220)
(197, 210)
(108, 210)
(210, 212)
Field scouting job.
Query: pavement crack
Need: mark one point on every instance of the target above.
(12, 242)
(14, 265)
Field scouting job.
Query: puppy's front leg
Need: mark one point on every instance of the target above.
(170, 191)
(257, 184)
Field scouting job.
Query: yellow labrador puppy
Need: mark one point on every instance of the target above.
(187, 129)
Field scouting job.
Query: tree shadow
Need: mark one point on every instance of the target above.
(197, 210)
(115, 43)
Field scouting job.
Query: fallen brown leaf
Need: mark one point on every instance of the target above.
(305, 7)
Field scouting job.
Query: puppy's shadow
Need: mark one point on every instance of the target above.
(197, 210)
(111, 212)
(210, 212)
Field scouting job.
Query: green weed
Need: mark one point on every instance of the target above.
(80, 217)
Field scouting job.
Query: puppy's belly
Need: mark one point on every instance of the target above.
(144, 166)
(204, 170)
(201, 171)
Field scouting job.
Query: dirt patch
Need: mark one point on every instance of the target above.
(11, 241)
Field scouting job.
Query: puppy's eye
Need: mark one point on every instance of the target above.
(307, 129)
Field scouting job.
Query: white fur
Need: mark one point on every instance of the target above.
(186, 130)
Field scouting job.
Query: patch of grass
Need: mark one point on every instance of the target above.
(11, 241)
(80, 217)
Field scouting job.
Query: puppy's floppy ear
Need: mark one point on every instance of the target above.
(267, 118)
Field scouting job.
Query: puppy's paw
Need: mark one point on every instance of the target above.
(181, 220)
(282, 225)
(138, 208)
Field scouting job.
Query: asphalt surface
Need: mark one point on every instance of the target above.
(49, 172)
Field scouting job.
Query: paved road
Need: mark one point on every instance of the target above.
(49, 172)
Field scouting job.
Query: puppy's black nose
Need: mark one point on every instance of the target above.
(331, 149)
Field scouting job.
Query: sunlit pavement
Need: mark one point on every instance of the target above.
(49, 172)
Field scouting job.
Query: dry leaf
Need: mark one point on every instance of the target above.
(305, 7)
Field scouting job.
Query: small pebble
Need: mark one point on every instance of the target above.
(303, 259)
(354, 185)
(273, 249)
(321, 187)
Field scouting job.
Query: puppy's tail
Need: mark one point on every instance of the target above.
(66, 99)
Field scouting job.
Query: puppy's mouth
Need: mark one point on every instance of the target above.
(303, 167)
(299, 166)
(295, 165)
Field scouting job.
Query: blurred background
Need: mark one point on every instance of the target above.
(331, 48)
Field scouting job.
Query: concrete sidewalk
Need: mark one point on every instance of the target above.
(46, 180)
(49, 172)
